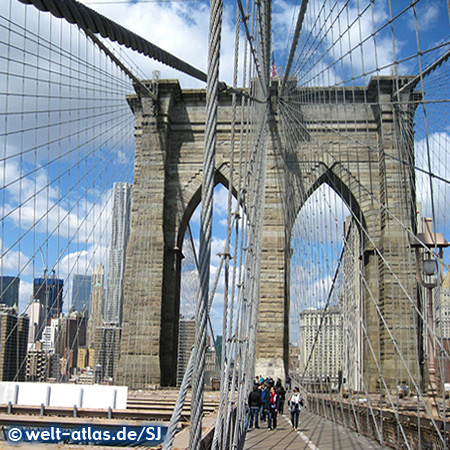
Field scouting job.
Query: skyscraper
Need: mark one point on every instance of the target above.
(95, 318)
(50, 335)
(71, 336)
(37, 364)
(107, 340)
(9, 290)
(351, 306)
(49, 291)
(321, 343)
(13, 344)
(35, 311)
(81, 293)
(186, 340)
(442, 309)
(119, 238)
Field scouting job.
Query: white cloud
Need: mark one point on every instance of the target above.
(220, 206)
(173, 27)
(14, 262)
(338, 44)
(25, 294)
(430, 16)
(427, 14)
(284, 17)
(351, 38)
(35, 202)
(437, 145)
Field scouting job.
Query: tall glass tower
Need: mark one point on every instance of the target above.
(112, 312)
(81, 293)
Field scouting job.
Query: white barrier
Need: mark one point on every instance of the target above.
(66, 395)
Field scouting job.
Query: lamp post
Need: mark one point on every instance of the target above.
(429, 267)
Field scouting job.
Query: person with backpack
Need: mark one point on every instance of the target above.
(295, 404)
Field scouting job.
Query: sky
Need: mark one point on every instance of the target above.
(180, 27)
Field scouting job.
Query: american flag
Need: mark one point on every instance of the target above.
(274, 69)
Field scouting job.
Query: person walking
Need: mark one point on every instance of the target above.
(274, 405)
(295, 404)
(282, 396)
(264, 401)
(278, 383)
(254, 403)
(288, 383)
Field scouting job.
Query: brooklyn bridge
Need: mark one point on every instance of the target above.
(199, 194)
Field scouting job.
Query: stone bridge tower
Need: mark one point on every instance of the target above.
(167, 189)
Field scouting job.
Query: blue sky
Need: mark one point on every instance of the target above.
(181, 28)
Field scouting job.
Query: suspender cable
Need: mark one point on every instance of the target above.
(298, 28)
(212, 91)
(89, 20)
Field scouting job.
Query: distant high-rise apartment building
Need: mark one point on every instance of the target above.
(71, 336)
(120, 232)
(95, 317)
(35, 312)
(91, 357)
(107, 341)
(50, 335)
(219, 340)
(9, 290)
(49, 291)
(351, 306)
(37, 364)
(83, 357)
(443, 309)
(13, 344)
(54, 370)
(81, 293)
(321, 343)
(186, 340)
(212, 364)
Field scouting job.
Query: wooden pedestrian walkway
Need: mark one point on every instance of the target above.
(314, 433)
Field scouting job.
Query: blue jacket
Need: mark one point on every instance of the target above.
(265, 398)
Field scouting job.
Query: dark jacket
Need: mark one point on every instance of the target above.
(254, 399)
(276, 404)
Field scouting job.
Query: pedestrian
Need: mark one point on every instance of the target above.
(274, 405)
(295, 404)
(270, 382)
(282, 396)
(254, 403)
(288, 383)
(264, 401)
(278, 383)
(247, 413)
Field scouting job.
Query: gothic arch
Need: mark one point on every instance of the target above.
(168, 166)
(345, 193)
(195, 199)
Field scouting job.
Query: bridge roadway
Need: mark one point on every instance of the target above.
(314, 433)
